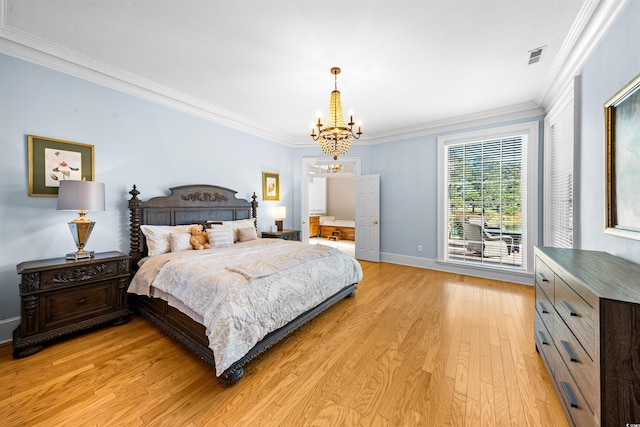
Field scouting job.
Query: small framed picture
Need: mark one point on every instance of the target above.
(270, 186)
(54, 160)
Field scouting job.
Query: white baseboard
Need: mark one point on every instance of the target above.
(7, 327)
(521, 277)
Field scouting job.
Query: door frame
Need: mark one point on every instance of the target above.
(307, 163)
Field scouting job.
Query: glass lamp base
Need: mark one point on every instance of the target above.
(80, 255)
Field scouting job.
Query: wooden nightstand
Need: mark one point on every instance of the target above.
(284, 234)
(60, 297)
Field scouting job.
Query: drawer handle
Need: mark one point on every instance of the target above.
(81, 301)
(543, 339)
(543, 277)
(570, 353)
(543, 307)
(570, 308)
(567, 392)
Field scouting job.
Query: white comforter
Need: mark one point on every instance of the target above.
(245, 291)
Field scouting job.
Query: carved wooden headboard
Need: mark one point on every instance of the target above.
(188, 204)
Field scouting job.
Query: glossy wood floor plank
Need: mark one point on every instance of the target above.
(414, 347)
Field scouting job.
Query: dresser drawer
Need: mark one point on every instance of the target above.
(73, 274)
(576, 313)
(76, 304)
(582, 368)
(544, 307)
(544, 343)
(571, 397)
(544, 278)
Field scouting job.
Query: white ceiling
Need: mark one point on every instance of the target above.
(264, 65)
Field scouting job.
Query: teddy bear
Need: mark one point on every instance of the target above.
(198, 237)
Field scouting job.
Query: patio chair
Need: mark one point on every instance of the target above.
(476, 236)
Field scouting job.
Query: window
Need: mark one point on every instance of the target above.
(485, 197)
(558, 166)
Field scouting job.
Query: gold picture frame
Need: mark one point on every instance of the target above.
(622, 125)
(53, 160)
(270, 186)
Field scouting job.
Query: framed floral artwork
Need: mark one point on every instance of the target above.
(270, 186)
(622, 121)
(54, 160)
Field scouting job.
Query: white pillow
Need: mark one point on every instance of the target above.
(158, 237)
(246, 234)
(220, 236)
(238, 224)
(180, 242)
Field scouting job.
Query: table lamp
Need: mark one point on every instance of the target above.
(279, 213)
(81, 196)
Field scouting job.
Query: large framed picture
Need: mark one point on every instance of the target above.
(54, 160)
(270, 186)
(622, 120)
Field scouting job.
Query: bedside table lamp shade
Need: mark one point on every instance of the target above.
(81, 196)
(279, 213)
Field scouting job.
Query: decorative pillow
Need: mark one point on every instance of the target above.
(246, 234)
(180, 242)
(220, 236)
(238, 224)
(157, 237)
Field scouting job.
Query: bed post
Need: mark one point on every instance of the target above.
(254, 209)
(134, 206)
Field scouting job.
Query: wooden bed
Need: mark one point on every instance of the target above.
(199, 204)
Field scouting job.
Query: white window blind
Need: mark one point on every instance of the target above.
(486, 198)
(558, 200)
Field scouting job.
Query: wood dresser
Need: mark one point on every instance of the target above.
(314, 226)
(587, 331)
(60, 297)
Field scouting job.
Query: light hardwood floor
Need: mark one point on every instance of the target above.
(414, 347)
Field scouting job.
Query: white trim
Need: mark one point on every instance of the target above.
(516, 276)
(7, 326)
(593, 21)
(532, 130)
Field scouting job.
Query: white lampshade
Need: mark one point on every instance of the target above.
(279, 212)
(81, 196)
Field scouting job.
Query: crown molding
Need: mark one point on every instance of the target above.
(32, 49)
(593, 21)
(525, 110)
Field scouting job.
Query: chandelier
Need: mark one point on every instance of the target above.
(335, 137)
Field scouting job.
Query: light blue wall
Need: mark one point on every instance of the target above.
(614, 63)
(136, 142)
(408, 191)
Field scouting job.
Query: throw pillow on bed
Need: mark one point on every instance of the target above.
(237, 225)
(157, 237)
(180, 242)
(246, 234)
(220, 236)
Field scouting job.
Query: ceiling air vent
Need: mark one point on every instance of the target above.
(535, 55)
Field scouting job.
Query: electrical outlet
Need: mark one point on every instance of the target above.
(419, 248)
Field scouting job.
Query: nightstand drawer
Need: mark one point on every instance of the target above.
(576, 313)
(79, 303)
(72, 274)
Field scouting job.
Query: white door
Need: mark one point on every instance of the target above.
(368, 218)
